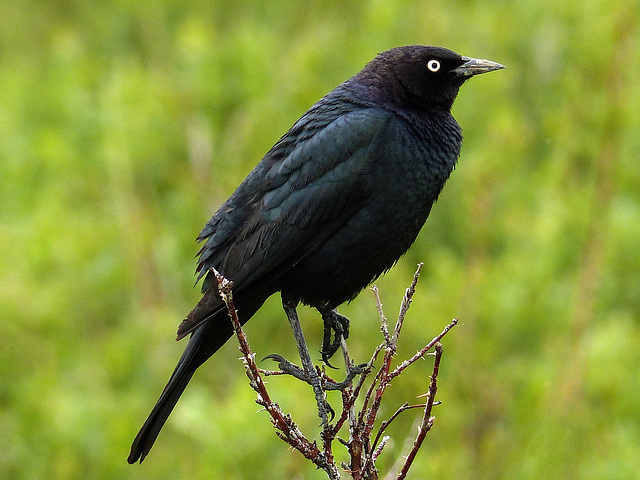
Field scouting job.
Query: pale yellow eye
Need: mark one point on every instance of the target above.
(433, 65)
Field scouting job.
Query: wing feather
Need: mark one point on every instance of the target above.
(293, 200)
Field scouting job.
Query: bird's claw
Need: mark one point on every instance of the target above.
(325, 358)
(288, 367)
(292, 369)
(339, 325)
(351, 374)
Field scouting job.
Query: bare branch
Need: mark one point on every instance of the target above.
(386, 423)
(427, 419)
(406, 303)
(382, 377)
(379, 448)
(383, 319)
(363, 452)
(421, 353)
(288, 430)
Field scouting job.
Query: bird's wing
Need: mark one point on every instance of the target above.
(301, 192)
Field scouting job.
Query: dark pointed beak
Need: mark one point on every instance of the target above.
(475, 66)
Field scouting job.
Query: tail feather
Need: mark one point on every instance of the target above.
(192, 357)
(205, 340)
(209, 306)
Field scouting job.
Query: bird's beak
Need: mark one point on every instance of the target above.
(475, 66)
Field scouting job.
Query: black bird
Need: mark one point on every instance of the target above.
(334, 204)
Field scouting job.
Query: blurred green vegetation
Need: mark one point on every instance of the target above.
(124, 125)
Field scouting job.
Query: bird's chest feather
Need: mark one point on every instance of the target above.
(412, 169)
(404, 174)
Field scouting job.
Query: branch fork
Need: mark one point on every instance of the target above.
(363, 452)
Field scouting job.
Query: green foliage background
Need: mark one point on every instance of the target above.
(124, 125)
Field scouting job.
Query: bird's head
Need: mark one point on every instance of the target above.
(416, 76)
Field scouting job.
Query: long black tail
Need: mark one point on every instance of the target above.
(205, 340)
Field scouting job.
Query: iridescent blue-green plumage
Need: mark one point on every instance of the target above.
(336, 201)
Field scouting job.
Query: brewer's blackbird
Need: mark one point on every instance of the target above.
(334, 204)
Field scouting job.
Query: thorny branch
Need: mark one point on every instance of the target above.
(363, 453)
(427, 419)
(287, 429)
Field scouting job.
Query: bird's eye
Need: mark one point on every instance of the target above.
(433, 65)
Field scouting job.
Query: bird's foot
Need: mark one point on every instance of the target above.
(292, 369)
(351, 374)
(312, 378)
(339, 325)
(288, 367)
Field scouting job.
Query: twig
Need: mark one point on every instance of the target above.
(383, 319)
(379, 448)
(386, 423)
(421, 353)
(427, 419)
(390, 350)
(406, 303)
(363, 453)
(288, 430)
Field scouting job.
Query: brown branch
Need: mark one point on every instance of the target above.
(406, 303)
(421, 353)
(386, 423)
(390, 351)
(363, 453)
(383, 319)
(288, 430)
(427, 419)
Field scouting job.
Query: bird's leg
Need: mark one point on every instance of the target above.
(309, 373)
(339, 325)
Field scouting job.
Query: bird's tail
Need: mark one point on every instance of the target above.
(187, 365)
(205, 340)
